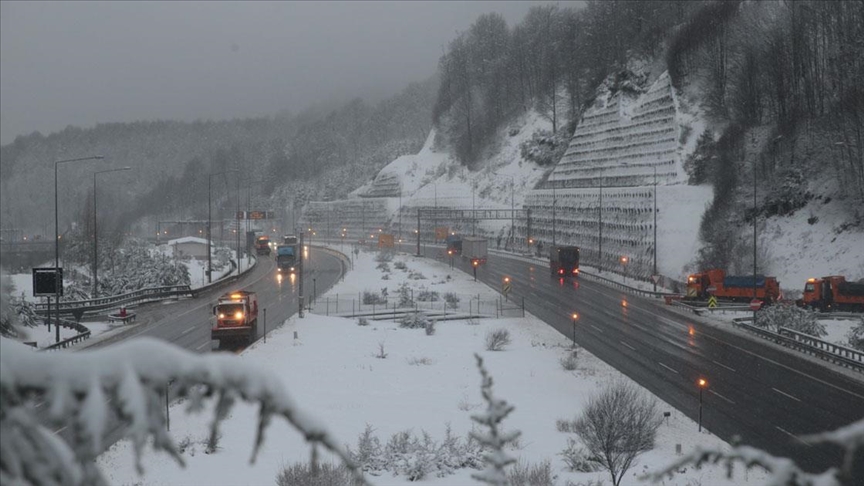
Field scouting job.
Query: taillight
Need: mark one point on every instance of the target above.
(561, 271)
(575, 270)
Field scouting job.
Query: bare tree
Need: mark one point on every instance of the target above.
(617, 426)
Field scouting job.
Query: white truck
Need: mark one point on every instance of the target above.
(474, 248)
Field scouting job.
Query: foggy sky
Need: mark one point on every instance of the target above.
(82, 63)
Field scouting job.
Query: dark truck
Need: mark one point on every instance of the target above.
(564, 261)
(262, 245)
(454, 245)
(236, 317)
(287, 258)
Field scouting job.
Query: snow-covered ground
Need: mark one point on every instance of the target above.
(425, 383)
(837, 329)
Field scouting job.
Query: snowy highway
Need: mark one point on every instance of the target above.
(763, 394)
(187, 323)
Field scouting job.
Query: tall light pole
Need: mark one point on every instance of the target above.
(654, 276)
(96, 233)
(754, 238)
(210, 222)
(57, 238)
(600, 229)
(702, 383)
(512, 215)
(554, 200)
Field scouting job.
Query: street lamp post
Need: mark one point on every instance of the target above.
(654, 275)
(210, 222)
(554, 200)
(57, 282)
(703, 383)
(574, 316)
(96, 233)
(624, 261)
(600, 230)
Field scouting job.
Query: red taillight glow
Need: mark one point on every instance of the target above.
(575, 271)
(561, 271)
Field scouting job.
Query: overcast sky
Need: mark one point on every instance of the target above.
(83, 63)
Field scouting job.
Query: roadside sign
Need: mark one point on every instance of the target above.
(655, 278)
(712, 302)
(505, 285)
(755, 305)
(45, 281)
(691, 292)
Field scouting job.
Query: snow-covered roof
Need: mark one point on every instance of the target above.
(187, 239)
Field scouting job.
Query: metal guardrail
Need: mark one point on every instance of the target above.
(80, 307)
(836, 353)
(83, 333)
(102, 303)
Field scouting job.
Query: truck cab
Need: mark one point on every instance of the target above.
(454, 245)
(262, 245)
(287, 258)
(236, 315)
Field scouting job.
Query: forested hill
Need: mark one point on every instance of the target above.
(171, 159)
(774, 88)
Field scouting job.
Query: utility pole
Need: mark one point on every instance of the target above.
(554, 200)
(512, 216)
(473, 211)
(300, 278)
(754, 237)
(600, 229)
(654, 275)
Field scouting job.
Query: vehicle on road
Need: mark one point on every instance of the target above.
(236, 317)
(475, 248)
(564, 261)
(262, 245)
(833, 293)
(701, 286)
(454, 245)
(288, 258)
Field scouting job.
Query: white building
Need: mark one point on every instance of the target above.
(189, 246)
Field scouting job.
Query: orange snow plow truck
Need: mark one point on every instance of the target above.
(700, 286)
(236, 317)
(833, 293)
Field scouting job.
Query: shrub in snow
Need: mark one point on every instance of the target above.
(424, 295)
(412, 275)
(569, 362)
(564, 425)
(414, 320)
(790, 316)
(526, 474)
(494, 440)
(400, 265)
(855, 336)
(381, 353)
(362, 321)
(136, 267)
(370, 298)
(419, 361)
(384, 267)
(406, 296)
(452, 300)
(782, 470)
(309, 474)
(83, 389)
(14, 312)
(497, 339)
(384, 256)
(789, 195)
(618, 425)
(430, 328)
(698, 164)
(412, 456)
(576, 458)
(544, 147)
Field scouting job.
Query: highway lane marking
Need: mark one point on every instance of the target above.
(202, 345)
(790, 434)
(788, 395)
(598, 329)
(786, 367)
(61, 429)
(625, 344)
(721, 396)
(187, 331)
(668, 368)
(723, 365)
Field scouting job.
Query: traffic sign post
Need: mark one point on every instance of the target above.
(755, 305)
(506, 288)
(712, 302)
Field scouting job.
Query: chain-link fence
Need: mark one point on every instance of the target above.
(440, 304)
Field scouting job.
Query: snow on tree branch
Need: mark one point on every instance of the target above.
(783, 471)
(83, 390)
(494, 440)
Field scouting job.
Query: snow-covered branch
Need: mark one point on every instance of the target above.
(783, 471)
(83, 390)
(494, 440)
